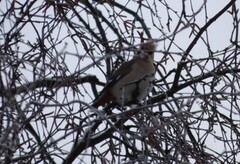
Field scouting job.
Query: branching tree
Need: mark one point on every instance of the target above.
(55, 57)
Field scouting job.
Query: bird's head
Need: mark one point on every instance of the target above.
(146, 49)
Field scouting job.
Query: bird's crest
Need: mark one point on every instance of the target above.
(148, 47)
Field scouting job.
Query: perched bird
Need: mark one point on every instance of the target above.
(132, 82)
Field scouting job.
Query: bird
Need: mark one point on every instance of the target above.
(132, 81)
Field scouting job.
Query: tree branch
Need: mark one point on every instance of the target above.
(181, 64)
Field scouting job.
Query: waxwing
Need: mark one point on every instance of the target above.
(132, 82)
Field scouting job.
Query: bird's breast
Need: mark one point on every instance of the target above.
(133, 90)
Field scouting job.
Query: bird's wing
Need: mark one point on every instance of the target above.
(123, 70)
